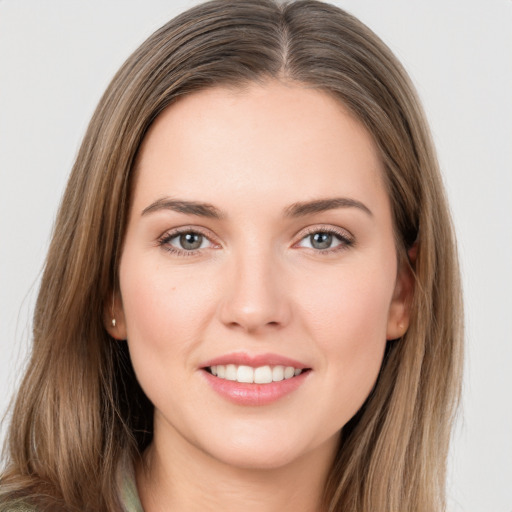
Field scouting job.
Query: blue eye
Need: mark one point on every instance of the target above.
(189, 241)
(321, 240)
(325, 240)
(185, 242)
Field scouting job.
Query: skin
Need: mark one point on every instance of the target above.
(257, 285)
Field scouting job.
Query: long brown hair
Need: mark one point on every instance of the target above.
(80, 410)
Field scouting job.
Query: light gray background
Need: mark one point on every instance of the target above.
(56, 58)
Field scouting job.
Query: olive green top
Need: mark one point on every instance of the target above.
(128, 489)
(128, 494)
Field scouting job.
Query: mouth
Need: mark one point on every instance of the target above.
(244, 374)
(254, 379)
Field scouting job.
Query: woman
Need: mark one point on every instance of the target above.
(252, 296)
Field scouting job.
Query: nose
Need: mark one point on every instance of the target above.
(255, 298)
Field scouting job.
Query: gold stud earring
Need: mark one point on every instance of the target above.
(113, 317)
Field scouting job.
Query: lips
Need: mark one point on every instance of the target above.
(254, 380)
(241, 358)
(260, 375)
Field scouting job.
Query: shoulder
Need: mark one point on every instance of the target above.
(16, 507)
(127, 487)
(14, 501)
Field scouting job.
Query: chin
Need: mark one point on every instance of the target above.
(269, 450)
(257, 457)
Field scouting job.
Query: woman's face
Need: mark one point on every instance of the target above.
(259, 247)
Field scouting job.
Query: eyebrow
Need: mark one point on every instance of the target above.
(299, 209)
(322, 205)
(181, 206)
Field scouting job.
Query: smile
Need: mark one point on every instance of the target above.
(247, 374)
(254, 380)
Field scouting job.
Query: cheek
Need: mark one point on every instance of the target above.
(350, 303)
(347, 316)
(164, 309)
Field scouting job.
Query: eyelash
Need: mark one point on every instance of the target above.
(341, 235)
(164, 240)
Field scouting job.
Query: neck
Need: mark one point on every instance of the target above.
(181, 477)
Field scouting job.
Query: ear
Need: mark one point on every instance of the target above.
(400, 307)
(113, 317)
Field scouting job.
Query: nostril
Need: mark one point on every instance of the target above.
(253, 324)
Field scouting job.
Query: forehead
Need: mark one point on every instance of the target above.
(276, 140)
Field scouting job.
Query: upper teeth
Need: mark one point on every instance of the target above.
(260, 375)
